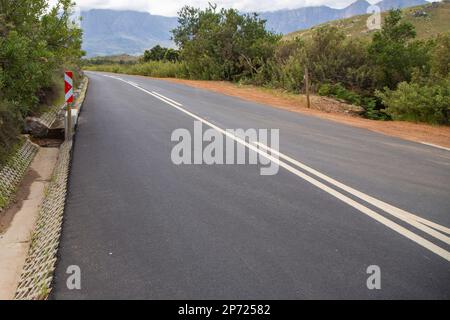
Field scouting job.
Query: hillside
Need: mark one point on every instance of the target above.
(429, 20)
(111, 32)
(286, 21)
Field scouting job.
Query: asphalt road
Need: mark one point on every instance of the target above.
(139, 226)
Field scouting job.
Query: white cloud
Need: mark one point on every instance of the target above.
(170, 7)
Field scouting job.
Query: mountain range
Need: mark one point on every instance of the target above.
(108, 32)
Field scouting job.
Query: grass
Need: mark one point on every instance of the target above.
(437, 21)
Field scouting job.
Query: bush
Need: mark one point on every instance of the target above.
(339, 92)
(223, 44)
(414, 102)
(158, 53)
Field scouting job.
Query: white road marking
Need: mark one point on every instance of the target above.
(168, 99)
(414, 220)
(381, 219)
(435, 145)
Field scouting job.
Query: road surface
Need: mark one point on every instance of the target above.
(141, 227)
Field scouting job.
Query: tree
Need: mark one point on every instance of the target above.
(223, 44)
(172, 55)
(332, 58)
(155, 54)
(392, 52)
(158, 53)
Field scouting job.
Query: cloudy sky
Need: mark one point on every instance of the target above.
(170, 7)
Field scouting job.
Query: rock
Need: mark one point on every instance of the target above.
(328, 104)
(35, 127)
(420, 13)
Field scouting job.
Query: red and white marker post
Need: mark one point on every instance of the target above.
(68, 88)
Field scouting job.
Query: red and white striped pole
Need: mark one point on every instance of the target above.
(68, 88)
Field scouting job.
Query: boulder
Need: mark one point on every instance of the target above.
(35, 127)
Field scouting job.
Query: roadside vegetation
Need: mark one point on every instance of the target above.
(37, 42)
(391, 74)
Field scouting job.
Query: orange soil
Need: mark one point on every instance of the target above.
(438, 135)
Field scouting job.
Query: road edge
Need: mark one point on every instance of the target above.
(37, 274)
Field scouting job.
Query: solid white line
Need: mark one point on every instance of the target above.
(435, 145)
(414, 220)
(381, 219)
(168, 99)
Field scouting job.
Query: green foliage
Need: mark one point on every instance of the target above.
(285, 69)
(440, 56)
(9, 124)
(330, 58)
(340, 92)
(223, 44)
(425, 97)
(333, 58)
(36, 42)
(394, 54)
(415, 102)
(158, 53)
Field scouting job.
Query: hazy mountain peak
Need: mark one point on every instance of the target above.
(108, 32)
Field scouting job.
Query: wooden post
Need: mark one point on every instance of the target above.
(308, 103)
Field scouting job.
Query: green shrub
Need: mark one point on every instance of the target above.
(420, 103)
(339, 92)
